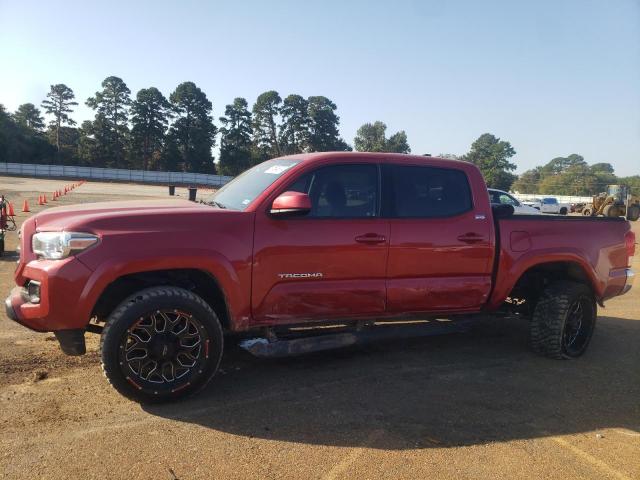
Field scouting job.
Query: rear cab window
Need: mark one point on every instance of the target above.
(414, 191)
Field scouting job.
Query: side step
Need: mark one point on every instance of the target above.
(265, 348)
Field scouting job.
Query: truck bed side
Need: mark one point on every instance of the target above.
(591, 250)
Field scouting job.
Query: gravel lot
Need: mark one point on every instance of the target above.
(472, 405)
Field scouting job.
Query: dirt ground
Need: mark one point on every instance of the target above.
(467, 405)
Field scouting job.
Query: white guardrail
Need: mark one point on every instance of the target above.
(525, 197)
(118, 174)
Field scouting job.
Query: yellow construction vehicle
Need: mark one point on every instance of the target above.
(615, 202)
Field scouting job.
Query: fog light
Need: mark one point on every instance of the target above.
(33, 291)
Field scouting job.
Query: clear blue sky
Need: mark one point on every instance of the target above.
(551, 77)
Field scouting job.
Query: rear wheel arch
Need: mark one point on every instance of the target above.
(537, 277)
(200, 282)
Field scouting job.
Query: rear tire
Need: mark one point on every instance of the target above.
(633, 213)
(563, 211)
(563, 320)
(161, 344)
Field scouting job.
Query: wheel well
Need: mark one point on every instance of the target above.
(532, 282)
(199, 282)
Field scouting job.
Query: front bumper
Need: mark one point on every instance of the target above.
(60, 306)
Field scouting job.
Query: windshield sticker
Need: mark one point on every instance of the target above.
(246, 201)
(278, 169)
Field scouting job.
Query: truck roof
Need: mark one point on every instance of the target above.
(399, 157)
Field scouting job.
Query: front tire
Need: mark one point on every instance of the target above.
(563, 320)
(161, 344)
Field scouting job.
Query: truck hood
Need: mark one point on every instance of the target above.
(123, 214)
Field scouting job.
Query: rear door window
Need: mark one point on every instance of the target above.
(426, 192)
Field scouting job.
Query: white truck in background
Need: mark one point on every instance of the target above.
(549, 205)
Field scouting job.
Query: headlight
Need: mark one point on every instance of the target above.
(57, 245)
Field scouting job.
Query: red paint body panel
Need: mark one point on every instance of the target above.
(595, 247)
(282, 270)
(353, 274)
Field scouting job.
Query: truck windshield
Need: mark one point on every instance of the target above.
(243, 189)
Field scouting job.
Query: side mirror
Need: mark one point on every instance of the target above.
(502, 211)
(291, 203)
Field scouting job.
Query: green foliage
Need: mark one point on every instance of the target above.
(58, 103)
(398, 143)
(150, 114)
(491, 155)
(562, 164)
(450, 156)
(19, 143)
(294, 130)
(29, 116)
(529, 181)
(110, 125)
(633, 182)
(566, 176)
(371, 137)
(323, 126)
(601, 168)
(265, 135)
(193, 131)
(235, 142)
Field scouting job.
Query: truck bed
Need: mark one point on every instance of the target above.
(593, 247)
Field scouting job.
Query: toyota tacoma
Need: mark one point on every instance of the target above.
(304, 253)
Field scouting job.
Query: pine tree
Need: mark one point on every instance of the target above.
(110, 125)
(235, 143)
(265, 135)
(150, 113)
(294, 130)
(29, 116)
(58, 103)
(323, 126)
(193, 131)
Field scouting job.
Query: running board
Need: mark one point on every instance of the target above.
(263, 348)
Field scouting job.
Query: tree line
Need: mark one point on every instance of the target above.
(572, 175)
(153, 132)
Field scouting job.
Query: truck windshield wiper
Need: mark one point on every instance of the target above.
(214, 204)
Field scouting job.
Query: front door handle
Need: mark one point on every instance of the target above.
(471, 238)
(371, 238)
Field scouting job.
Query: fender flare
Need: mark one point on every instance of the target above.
(513, 271)
(211, 262)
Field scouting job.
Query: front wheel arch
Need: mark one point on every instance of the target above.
(200, 282)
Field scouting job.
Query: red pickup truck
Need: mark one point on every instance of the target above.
(303, 253)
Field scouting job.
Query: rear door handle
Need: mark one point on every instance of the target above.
(371, 238)
(471, 238)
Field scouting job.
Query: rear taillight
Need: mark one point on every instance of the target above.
(630, 244)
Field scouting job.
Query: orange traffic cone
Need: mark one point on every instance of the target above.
(25, 206)
(40, 201)
(44, 198)
(11, 212)
(54, 196)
